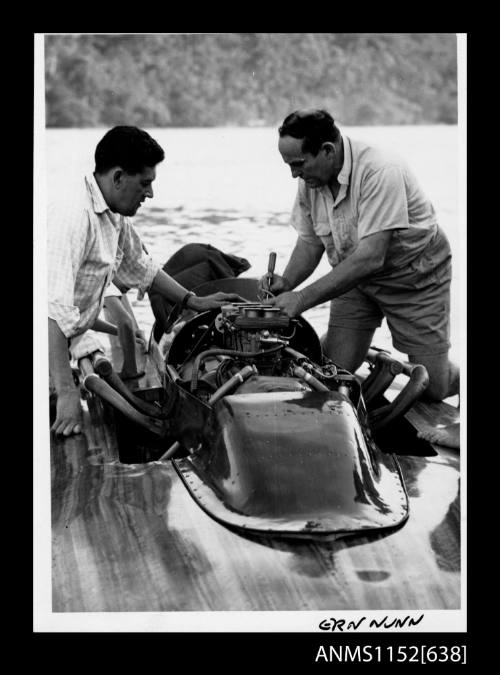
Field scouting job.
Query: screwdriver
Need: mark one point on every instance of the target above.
(270, 270)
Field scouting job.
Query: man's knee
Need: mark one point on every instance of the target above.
(347, 347)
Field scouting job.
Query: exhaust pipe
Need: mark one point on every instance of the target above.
(94, 384)
(228, 386)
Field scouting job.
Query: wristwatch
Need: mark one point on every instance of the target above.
(185, 299)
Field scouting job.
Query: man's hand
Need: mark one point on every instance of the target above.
(278, 284)
(68, 413)
(213, 301)
(140, 338)
(290, 302)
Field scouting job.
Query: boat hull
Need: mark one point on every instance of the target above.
(294, 464)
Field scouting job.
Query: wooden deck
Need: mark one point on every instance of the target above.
(128, 537)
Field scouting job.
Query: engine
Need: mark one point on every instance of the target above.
(256, 339)
(254, 327)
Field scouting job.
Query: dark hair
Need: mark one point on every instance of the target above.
(314, 126)
(128, 147)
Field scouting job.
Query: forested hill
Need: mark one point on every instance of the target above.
(249, 78)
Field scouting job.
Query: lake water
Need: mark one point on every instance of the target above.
(229, 187)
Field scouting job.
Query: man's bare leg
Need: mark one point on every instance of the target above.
(444, 376)
(347, 347)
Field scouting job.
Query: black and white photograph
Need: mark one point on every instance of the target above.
(219, 444)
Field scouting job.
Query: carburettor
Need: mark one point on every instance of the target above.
(253, 327)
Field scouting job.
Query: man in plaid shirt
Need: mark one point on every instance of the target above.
(91, 240)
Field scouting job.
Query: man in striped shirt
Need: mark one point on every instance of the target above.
(91, 240)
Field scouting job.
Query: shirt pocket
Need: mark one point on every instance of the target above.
(346, 221)
(320, 212)
(344, 231)
(322, 227)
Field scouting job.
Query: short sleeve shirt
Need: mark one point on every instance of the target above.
(377, 192)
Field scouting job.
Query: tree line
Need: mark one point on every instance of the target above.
(244, 79)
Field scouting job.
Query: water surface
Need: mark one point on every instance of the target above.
(229, 187)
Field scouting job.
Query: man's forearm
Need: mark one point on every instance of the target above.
(367, 259)
(59, 365)
(168, 287)
(303, 261)
(340, 280)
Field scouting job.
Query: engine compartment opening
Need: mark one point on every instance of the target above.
(137, 445)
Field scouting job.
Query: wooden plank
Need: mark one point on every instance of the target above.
(424, 414)
(130, 538)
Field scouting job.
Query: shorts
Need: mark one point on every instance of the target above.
(415, 300)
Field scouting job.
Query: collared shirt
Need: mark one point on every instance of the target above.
(377, 192)
(88, 245)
